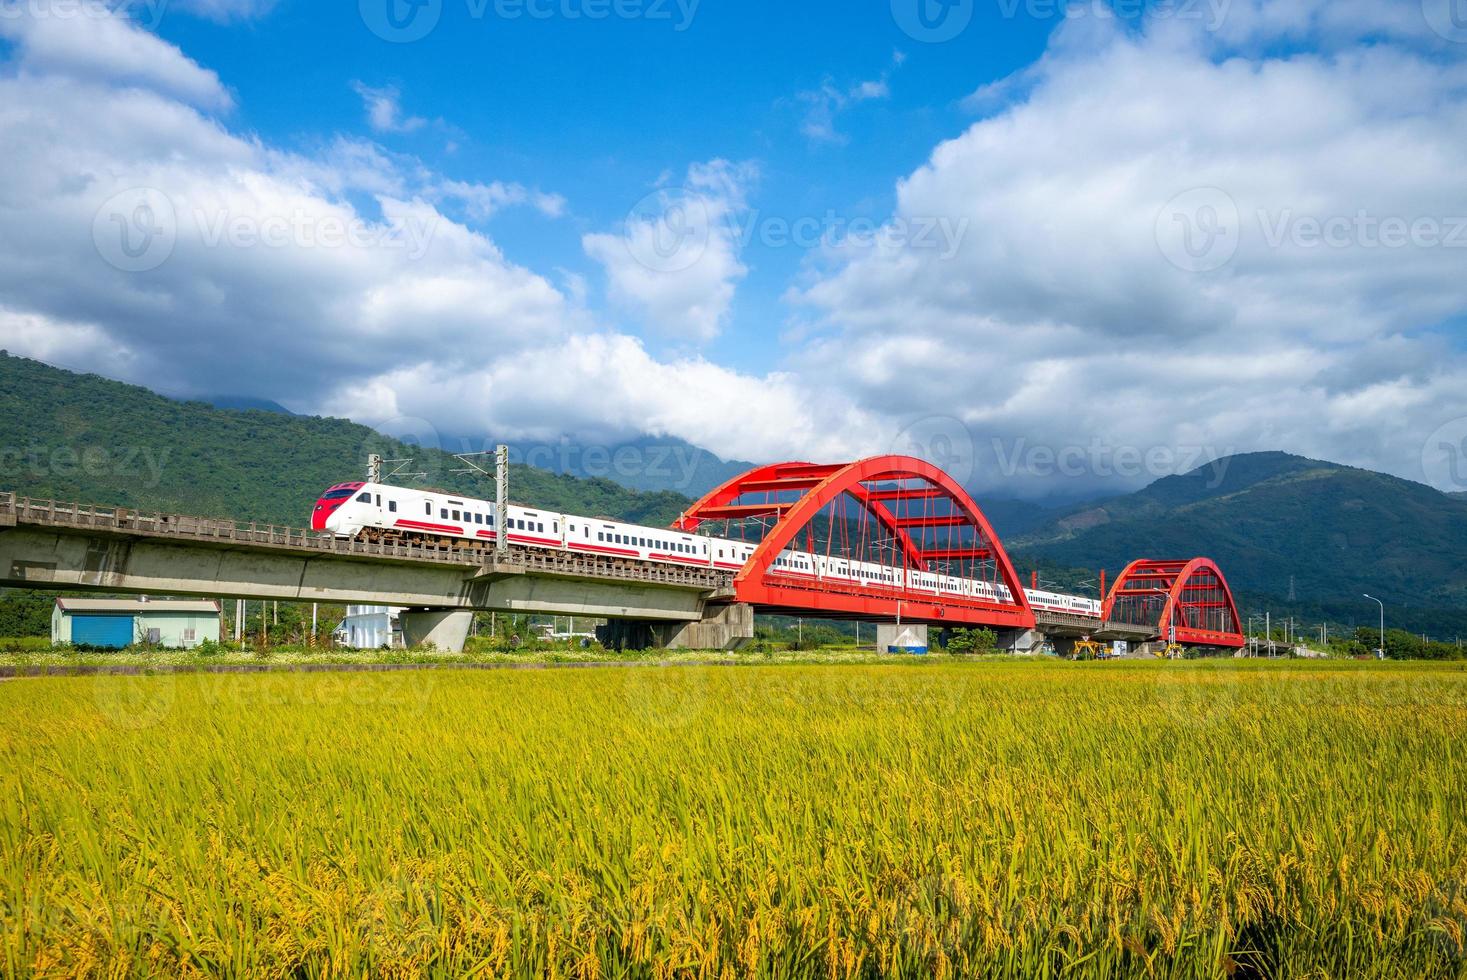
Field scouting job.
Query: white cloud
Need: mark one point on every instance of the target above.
(86, 43)
(384, 109)
(341, 280)
(483, 201)
(1060, 320)
(677, 260)
(692, 398)
(824, 104)
(260, 274)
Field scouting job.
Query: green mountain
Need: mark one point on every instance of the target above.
(1270, 519)
(82, 437)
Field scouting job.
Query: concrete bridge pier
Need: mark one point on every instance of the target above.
(1020, 641)
(724, 626)
(447, 630)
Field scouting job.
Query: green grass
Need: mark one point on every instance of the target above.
(45, 656)
(983, 819)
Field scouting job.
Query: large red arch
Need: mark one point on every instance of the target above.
(761, 584)
(1198, 601)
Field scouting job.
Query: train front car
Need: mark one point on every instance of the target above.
(330, 502)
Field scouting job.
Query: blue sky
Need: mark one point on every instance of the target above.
(598, 109)
(1101, 243)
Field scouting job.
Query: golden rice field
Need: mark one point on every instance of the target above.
(1023, 820)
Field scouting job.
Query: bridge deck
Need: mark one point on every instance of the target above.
(18, 511)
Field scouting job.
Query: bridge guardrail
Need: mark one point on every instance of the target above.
(16, 509)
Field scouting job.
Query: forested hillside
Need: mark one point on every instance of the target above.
(83, 437)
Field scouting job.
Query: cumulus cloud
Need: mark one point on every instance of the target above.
(384, 109)
(1174, 240)
(676, 261)
(140, 237)
(83, 43)
(1171, 242)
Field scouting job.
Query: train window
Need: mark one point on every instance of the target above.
(392, 506)
(428, 508)
(600, 536)
(478, 518)
(540, 527)
(379, 500)
(455, 515)
(365, 498)
(443, 514)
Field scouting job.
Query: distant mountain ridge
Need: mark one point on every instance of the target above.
(1273, 518)
(1336, 531)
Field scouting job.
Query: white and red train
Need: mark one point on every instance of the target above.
(352, 510)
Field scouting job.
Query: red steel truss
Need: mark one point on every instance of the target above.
(897, 511)
(1191, 595)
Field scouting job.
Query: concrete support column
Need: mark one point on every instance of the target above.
(1020, 641)
(445, 629)
(723, 627)
(911, 638)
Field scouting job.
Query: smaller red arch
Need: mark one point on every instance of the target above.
(1191, 596)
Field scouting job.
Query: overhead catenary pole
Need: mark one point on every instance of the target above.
(501, 499)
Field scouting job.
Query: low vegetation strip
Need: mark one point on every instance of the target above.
(992, 819)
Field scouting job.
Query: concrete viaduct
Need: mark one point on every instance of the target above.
(62, 546)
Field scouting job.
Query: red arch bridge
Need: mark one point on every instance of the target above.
(896, 539)
(891, 540)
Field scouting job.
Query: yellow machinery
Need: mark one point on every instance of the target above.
(1172, 651)
(1088, 649)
